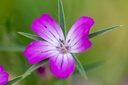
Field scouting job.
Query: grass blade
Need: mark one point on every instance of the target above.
(27, 73)
(14, 80)
(92, 66)
(31, 36)
(61, 16)
(80, 67)
(104, 31)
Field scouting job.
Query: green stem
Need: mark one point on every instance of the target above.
(80, 67)
(27, 73)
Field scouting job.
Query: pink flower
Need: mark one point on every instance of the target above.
(56, 47)
(44, 72)
(3, 76)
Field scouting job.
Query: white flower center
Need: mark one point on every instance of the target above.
(62, 48)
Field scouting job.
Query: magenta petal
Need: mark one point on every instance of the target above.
(77, 37)
(62, 65)
(80, 27)
(83, 25)
(80, 45)
(4, 76)
(47, 28)
(1, 69)
(39, 50)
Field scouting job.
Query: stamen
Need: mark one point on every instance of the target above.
(68, 40)
(58, 47)
(67, 47)
(64, 50)
(61, 41)
(61, 45)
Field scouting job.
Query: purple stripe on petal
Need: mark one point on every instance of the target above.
(80, 45)
(62, 65)
(77, 34)
(37, 51)
(47, 28)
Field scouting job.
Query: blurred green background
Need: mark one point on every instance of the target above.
(111, 48)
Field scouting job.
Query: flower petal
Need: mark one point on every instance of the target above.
(47, 28)
(80, 45)
(4, 76)
(62, 65)
(77, 37)
(83, 24)
(1, 69)
(39, 50)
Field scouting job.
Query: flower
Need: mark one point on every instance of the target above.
(55, 46)
(44, 72)
(3, 76)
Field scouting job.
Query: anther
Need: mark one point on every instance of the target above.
(58, 47)
(68, 40)
(61, 45)
(61, 41)
(67, 47)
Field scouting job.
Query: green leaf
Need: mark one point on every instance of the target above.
(34, 67)
(14, 80)
(101, 32)
(61, 16)
(16, 48)
(27, 73)
(92, 66)
(31, 36)
(80, 67)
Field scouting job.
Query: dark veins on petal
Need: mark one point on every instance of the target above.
(77, 40)
(45, 26)
(47, 51)
(69, 40)
(48, 37)
(62, 62)
(51, 32)
(61, 41)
